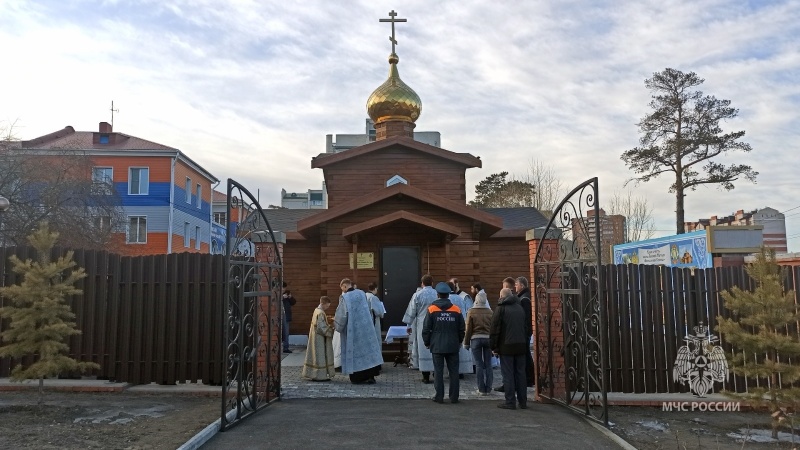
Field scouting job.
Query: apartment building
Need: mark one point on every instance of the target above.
(164, 195)
(773, 221)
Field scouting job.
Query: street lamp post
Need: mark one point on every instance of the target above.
(4, 205)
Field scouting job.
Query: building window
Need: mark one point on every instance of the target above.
(197, 238)
(198, 195)
(137, 230)
(104, 139)
(395, 180)
(186, 238)
(102, 180)
(138, 181)
(188, 190)
(221, 218)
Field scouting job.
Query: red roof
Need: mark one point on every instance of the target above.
(68, 138)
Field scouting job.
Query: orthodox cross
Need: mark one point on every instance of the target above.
(112, 113)
(392, 19)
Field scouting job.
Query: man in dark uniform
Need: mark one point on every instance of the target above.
(442, 334)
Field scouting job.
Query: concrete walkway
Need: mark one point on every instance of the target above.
(397, 412)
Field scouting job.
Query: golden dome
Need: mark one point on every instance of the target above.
(394, 100)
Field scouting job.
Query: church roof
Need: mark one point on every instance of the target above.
(286, 219)
(493, 222)
(516, 221)
(327, 159)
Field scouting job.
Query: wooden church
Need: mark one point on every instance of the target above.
(397, 209)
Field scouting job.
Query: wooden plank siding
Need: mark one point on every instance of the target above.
(346, 181)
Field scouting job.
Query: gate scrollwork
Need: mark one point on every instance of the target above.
(252, 310)
(570, 321)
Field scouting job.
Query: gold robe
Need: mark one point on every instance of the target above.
(319, 354)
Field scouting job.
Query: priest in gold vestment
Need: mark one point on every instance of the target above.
(318, 365)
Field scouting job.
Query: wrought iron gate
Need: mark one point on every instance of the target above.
(252, 309)
(570, 320)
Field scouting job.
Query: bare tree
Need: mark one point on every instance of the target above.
(56, 186)
(548, 189)
(638, 214)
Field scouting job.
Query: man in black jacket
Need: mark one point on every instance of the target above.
(507, 338)
(524, 295)
(442, 334)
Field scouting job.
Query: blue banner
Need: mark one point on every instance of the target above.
(681, 250)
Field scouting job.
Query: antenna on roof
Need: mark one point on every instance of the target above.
(112, 114)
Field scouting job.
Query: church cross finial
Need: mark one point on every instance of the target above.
(393, 20)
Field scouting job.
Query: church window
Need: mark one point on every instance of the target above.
(395, 180)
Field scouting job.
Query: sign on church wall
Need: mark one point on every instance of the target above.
(365, 260)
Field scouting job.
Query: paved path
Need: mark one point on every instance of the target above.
(397, 413)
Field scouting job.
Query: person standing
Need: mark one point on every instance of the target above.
(377, 308)
(465, 356)
(524, 295)
(415, 320)
(477, 291)
(508, 283)
(507, 339)
(476, 338)
(288, 301)
(442, 333)
(360, 352)
(318, 365)
(464, 296)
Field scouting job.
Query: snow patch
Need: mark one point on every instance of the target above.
(762, 436)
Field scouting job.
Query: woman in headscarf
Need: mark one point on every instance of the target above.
(476, 338)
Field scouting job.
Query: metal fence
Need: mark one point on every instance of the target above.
(650, 310)
(144, 319)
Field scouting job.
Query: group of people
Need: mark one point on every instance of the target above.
(448, 331)
(444, 322)
(353, 343)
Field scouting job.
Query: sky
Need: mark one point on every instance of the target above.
(249, 89)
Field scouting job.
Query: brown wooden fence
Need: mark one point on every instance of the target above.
(157, 318)
(651, 308)
(144, 319)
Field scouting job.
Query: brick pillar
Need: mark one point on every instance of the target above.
(550, 379)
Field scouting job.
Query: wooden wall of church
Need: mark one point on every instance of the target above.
(352, 179)
(502, 258)
(301, 270)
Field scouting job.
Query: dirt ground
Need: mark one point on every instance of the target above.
(72, 420)
(651, 428)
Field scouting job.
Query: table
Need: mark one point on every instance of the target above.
(400, 335)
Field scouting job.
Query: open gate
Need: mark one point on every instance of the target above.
(570, 320)
(252, 310)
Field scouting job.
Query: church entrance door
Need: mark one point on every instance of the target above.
(400, 277)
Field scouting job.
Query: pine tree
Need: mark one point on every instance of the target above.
(762, 348)
(40, 318)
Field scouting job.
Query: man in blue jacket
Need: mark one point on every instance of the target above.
(442, 333)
